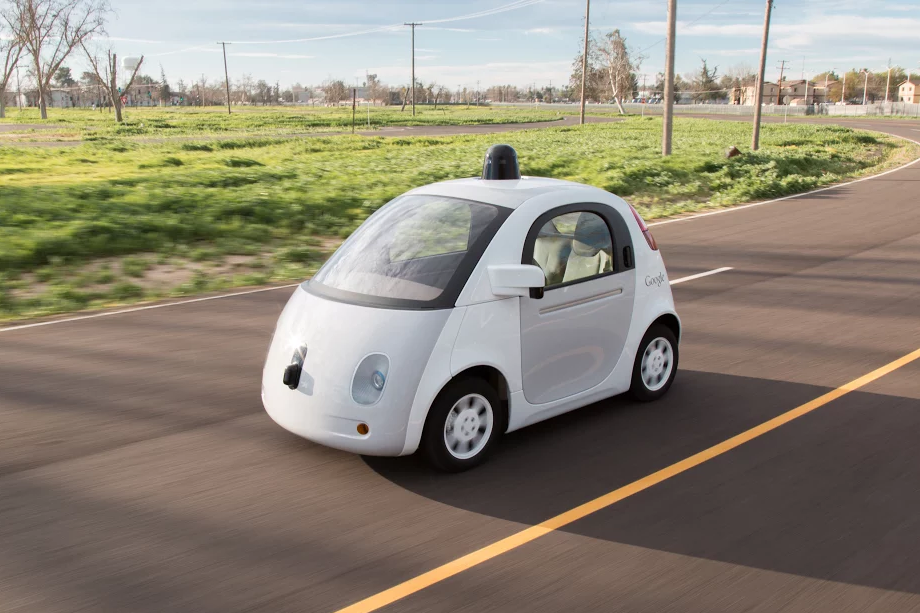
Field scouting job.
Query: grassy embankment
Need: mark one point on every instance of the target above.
(117, 221)
(157, 123)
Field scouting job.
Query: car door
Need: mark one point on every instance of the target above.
(572, 336)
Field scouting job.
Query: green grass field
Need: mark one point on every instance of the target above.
(117, 221)
(88, 125)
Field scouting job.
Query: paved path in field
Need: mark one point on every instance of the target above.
(138, 471)
(397, 131)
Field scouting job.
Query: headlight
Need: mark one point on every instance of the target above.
(370, 379)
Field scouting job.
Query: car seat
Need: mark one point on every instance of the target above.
(591, 249)
(551, 252)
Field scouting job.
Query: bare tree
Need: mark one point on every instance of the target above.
(439, 91)
(335, 91)
(375, 89)
(620, 66)
(106, 70)
(49, 30)
(10, 52)
(246, 88)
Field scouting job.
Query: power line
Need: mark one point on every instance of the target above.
(518, 4)
(706, 14)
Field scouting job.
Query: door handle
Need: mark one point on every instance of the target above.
(581, 301)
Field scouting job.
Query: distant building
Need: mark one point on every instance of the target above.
(909, 91)
(795, 93)
(749, 94)
(302, 95)
(802, 92)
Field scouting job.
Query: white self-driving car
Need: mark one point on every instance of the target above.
(466, 309)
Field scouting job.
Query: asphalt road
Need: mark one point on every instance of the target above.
(138, 471)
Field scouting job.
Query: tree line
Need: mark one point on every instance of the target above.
(613, 76)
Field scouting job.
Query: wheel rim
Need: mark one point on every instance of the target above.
(468, 426)
(657, 364)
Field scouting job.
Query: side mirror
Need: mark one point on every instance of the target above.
(516, 280)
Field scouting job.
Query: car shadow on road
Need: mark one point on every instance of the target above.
(829, 495)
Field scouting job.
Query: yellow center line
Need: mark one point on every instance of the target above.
(416, 584)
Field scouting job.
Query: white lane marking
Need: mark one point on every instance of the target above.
(700, 275)
(817, 191)
(145, 308)
(231, 295)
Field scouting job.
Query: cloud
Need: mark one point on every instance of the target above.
(826, 28)
(447, 29)
(540, 31)
(282, 56)
(135, 40)
(725, 52)
(312, 26)
(521, 74)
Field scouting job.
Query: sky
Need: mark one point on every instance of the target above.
(533, 42)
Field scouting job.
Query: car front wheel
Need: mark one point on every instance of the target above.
(656, 364)
(463, 425)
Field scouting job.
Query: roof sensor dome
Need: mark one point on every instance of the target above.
(501, 164)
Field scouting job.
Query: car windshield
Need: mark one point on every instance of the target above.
(409, 250)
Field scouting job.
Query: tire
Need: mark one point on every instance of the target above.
(656, 364)
(475, 404)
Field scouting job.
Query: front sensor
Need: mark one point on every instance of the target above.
(292, 373)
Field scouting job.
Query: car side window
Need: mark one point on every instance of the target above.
(573, 247)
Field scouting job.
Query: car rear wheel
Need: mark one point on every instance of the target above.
(656, 364)
(463, 425)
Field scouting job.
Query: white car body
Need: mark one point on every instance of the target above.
(574, 346)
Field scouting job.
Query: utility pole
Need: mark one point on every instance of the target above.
(779, 90)
(758, 98)
(412, 25)
(667, 122)
(888, 84)
(226, 75)
(826, 75)
(843, 90)
(584, 62)
(19, 89)
(866, 86)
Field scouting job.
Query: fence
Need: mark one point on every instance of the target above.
(886, 109)
(719, 109)
(899, 109)
(893, 109)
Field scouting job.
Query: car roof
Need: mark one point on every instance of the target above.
(510, 194)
